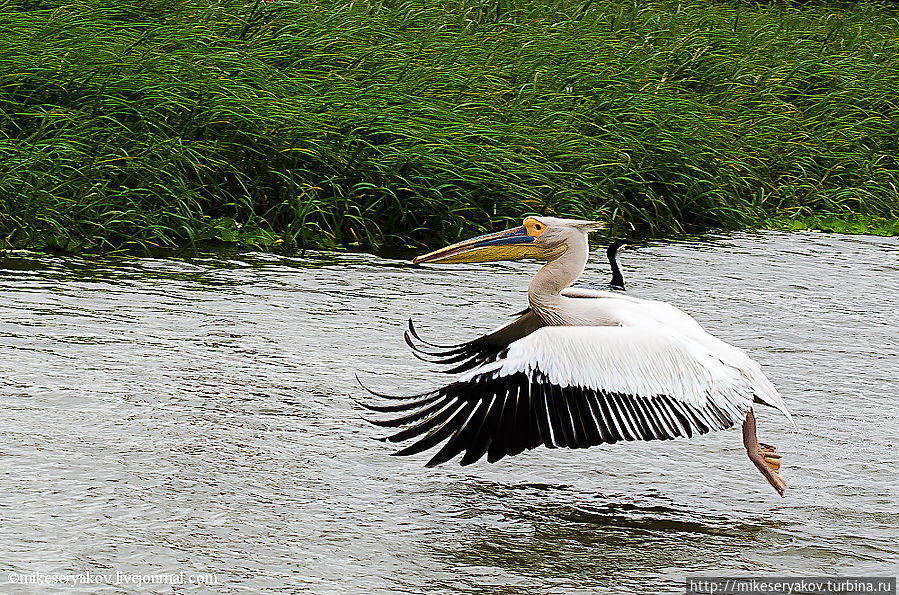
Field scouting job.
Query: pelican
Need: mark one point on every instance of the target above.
(579, 368)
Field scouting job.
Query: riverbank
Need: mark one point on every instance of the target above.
(366, 125)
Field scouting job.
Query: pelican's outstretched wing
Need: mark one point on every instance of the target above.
(574, 387)
(477, 352)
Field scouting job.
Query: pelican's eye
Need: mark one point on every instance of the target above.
(534, 227)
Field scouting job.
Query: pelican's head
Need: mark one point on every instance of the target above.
(543, 238)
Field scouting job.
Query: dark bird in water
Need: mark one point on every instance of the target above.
(617, 282)
(579, 368)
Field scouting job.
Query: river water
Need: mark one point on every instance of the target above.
(195, 417)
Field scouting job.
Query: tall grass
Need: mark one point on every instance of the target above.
(395, 122)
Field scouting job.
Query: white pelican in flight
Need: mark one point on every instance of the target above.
(579, 368)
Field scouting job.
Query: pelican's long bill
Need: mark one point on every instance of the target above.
(526, 241)
(510, 244)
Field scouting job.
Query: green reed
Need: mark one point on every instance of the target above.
(418, 122)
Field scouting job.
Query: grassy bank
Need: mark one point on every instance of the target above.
(391, 123)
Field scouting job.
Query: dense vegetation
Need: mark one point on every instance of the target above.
(386, 122)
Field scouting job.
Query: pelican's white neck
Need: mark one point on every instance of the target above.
(544, 292)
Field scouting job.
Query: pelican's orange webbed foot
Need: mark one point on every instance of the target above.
(769, 453)
(763, 456)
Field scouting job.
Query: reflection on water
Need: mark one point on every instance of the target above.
(197, 415)
(588, 540)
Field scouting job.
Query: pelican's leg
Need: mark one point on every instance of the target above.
(763, 456)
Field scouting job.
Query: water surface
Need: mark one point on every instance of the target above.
(196, 415)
